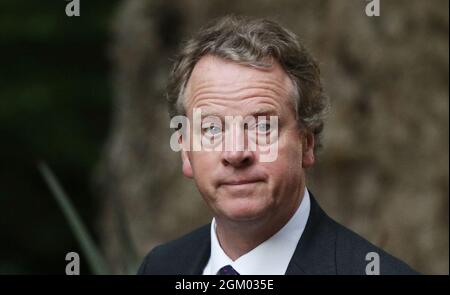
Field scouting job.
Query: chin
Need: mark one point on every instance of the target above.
(244, 210)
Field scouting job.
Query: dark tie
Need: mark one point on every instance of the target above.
(227, 270)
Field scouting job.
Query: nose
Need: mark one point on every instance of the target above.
(238, 159)
(237, 153)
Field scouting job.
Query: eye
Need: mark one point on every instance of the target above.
(263, 127)
(212, 129)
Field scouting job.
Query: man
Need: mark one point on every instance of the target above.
(265, 219)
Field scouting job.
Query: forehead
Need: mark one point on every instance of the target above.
(211, 64)
(215, 80)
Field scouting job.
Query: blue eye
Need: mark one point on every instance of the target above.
(263, 127)
(212, 130)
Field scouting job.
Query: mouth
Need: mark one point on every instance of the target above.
(241, 182)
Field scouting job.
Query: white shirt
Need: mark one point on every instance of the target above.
(271, 257)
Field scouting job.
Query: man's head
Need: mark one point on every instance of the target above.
(250, 67)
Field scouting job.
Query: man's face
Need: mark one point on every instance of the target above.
(235, 184)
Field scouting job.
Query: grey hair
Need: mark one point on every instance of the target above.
(254, 42)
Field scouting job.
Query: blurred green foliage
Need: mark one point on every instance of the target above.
(54, 106)
(96, 261)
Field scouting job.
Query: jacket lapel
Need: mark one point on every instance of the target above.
(200, 255)
(315, 252)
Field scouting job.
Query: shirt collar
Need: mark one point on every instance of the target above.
(271, 257)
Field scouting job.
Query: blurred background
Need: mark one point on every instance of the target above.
(85, 94)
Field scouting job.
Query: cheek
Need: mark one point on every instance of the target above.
(204, 160)
(288, 166)
(290, 151)
(285, 169)
(203, 164)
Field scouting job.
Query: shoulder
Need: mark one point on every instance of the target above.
(178, 256)
(327, 247)
(354, 254)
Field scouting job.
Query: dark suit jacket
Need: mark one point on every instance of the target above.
(325, 247)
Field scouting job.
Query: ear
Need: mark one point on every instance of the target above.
(308, 150)
(186, 162)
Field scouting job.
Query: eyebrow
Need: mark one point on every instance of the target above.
(260, 111)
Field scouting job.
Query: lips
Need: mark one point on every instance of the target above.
(242, 181)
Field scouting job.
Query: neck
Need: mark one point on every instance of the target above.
(240, 237)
